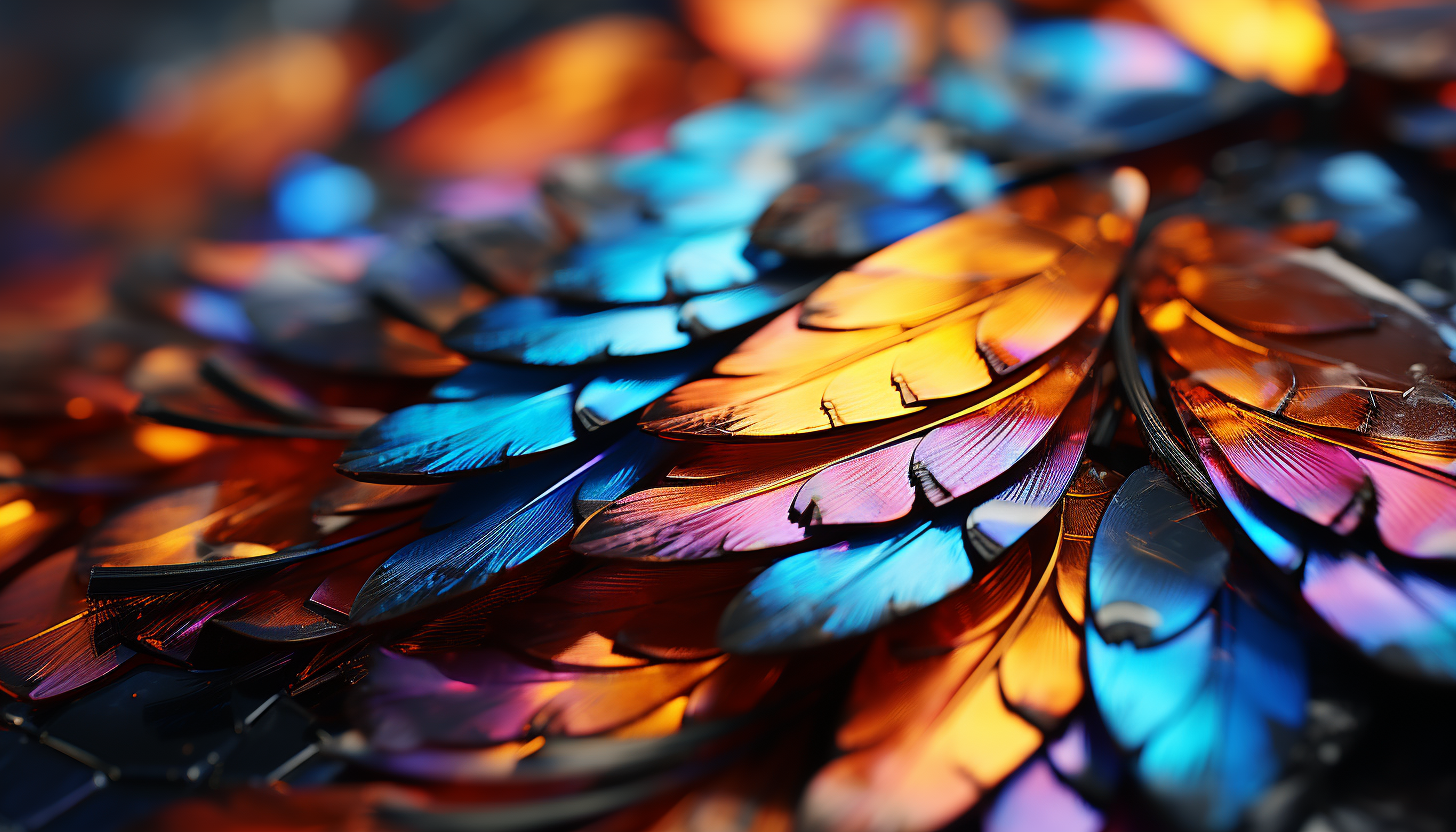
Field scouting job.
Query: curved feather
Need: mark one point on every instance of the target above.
(996, 524)
(1385, 614)
(1382, 371)
(492, 524)
(481, 698)
(1398, 616)
(1211, 688)
(1214, 709)
(928, 735)
(1155, 567)
(535, 330)
(435, 439)
(542, 331)
(745, 507)
(649, 263)
(846, 589)
(1020, 315)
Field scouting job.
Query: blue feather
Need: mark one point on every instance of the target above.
(642, 265)
(488, 378)
(721, 311)
(662, 178)
(1139, 689)
(498, 521)
(541, 331)
(1214, 709)
(1215, 702)
(1154, 567)
(1219, 753)
(625, 389)
(993, 526)
(710, 262)
(736, 204)
(448, 438)
(846, 589)
(625, 465)
(628, 268)
(722, 132)
(1085, 93)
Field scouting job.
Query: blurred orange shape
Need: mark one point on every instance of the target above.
(15, 511)
(229, 126)
(1288, 43)
(170, 444)
(568, 91)
(764, 37)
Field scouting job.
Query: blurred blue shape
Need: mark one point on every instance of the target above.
(1359, 178)
(216, 315)
(318, 197)
(1106, 58)
(976, 102)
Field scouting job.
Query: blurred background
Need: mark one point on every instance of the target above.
(161, 118)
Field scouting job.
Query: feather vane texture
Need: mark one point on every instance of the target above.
(1214, 701)
(1043, 293)
(927, 735)
(495, 523)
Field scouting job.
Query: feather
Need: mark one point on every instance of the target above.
(418, 284)
(930, 732)
(1382, 612)
(996, 524)
(228, 393)
(491, 524)
(748, 510)
(487, 378)
(1381, 371)
(717, 312)
(969, 451)
(650, 263)
(542, 331)
(1214, 709)
(774, 390)
(443, 439)
(1266, 528)
(353, 497)
(1416, 512)
(321, 323)
(487, 697)
(58, 660)
(627, 268)
(1155, 567)
(624, 391)
(1212, 696)
(1319, 480)
(1041, 673)
(110, 580)
(924, 783)
(846, 589)
(874, 487)
(509, 254)
(837, 218)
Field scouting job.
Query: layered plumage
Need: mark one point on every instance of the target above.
(804, 470)
(1318, 403)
